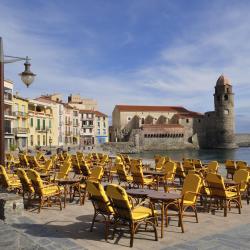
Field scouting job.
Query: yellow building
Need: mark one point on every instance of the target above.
(41, 127)
(20, 111)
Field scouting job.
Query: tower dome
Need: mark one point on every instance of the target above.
(223, 80)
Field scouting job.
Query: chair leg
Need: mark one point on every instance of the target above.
(40, 204)
(93, 222)
(132, 228)
(196, 214)
(225, 208)
(107, 221)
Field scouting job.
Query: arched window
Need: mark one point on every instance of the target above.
(225, 97)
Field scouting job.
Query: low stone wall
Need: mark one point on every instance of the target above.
(120, 147)
(242, 140)
(11, 205)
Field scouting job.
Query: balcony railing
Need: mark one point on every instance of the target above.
(8, 96)
(8, 130)
(68, 133)
(9, 113)
(20, 114)
(21, 130)
(43, 130)
(87, 125)
(68, 122)
(76, 124)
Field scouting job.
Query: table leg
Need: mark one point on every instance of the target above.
(162, 219)
(65, 194)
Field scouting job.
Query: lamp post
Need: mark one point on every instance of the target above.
(27, 77)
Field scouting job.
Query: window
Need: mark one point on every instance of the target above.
(98, 131)
(104, 124)
(49, 123)
(90, 130)
(31, 121)
(187, 120)
(142, 120)
(98, 124)
(99, 118)
(16, 107)
(43, 124)
(23, 123)
(38, 124)
(225, 97)
(226, 111)
(129, 118)
(84, 130)
(38, 140)
(23, 109)
(44, 140)
(31, 140)
(104, 131)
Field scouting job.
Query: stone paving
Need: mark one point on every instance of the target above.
(69, 229)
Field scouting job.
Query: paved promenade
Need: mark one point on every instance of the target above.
(69, 229)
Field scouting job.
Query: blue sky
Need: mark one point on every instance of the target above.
(149, 52)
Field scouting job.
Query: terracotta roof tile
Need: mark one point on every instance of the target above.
(100, 114)
(124, 108)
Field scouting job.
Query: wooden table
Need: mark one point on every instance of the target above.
(156, 176)
(68, 184)
(163, 199)
(139, 193)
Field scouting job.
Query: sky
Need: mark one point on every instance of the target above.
(138, 52)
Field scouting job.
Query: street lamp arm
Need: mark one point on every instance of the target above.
(15, 59)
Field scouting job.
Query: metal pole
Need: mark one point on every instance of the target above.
(2, 156)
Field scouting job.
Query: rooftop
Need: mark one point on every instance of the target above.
(223, 80)
(134, 108)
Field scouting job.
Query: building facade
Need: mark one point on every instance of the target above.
(87, 132)
(41, 127)
(9, 117)
(170, 127)
(101, 128)
(21, 123)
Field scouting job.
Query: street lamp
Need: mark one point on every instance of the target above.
(27, 77)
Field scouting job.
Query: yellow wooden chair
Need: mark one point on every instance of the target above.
(139, 180)
(23, 161)
(9, 182)
(123, 176)
(46, 192)
(169, 169)
(100, 203)
(190, 192)
(242, 177)
(241, 165)
(221, 194)
(63, 171)
(126, 213)
(160, 163)
(27, 187)
(230, 168)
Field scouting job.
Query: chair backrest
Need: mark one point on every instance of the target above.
(60, 156)
(191, 187)
(23, 160)
(216, 185)
(121, 171)
(120, 202)
(40, 156)
(84, 166)
(96, 173)
(241, 176)
(25, 181)
(4, 179)
(197, 163)
(9, 157)
(169, 168)
(188, 165)
(241, 165)
(75, 164)
(33, 163)
(230, 164)
(36, 180)
(160, 163)
(213, 166)
(80, 156)
(137, 175)
(98, 197)
(157, 158)
(64, 170)
(180, 170)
